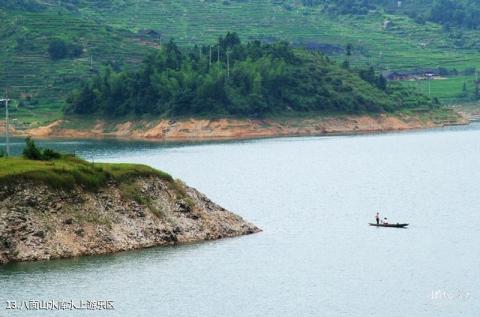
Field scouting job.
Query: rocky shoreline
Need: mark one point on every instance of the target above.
(38, 222)
(233, 129)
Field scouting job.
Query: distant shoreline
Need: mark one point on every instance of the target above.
(186, 130)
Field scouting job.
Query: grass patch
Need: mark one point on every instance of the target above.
(69, 172)
(179, 187)
(439, 115)
(132, 192)
(448, 90)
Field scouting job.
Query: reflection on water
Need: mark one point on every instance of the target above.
(86, 263)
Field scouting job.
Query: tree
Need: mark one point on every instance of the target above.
(31, 151)
(348, 54)
(83, 101)
(381, 83)
(174, 56)
(229, 41)
(368, 75)
(349, 49)
(74, 50)
(57, 49)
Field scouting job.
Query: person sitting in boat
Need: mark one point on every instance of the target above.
(385, 221)
(377, 218)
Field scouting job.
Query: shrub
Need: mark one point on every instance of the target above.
(31, 151)
(49, 154)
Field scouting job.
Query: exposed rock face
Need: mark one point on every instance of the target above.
(222, 129)
(38, 222)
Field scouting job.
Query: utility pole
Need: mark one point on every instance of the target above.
(7, 139)
(429, 86)
(228, 63)
(476, 84)
(218, 53)
(210, 57)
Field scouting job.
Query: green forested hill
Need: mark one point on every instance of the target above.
(251, 79)
(120, 32)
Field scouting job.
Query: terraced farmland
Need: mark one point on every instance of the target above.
(450, 89)
(42, 84)
(403, 45)
(109, 32)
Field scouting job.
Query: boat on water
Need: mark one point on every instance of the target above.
(390, 225)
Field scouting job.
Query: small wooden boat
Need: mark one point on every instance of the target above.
(390, 225)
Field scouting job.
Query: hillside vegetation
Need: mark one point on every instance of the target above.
(231, 78)
(38, 82)
(49, 46)
(462, 13)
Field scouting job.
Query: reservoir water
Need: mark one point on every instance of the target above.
(317, 256)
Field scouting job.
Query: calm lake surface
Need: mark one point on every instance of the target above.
(317, 256)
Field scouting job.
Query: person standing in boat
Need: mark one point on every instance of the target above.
(377, 218)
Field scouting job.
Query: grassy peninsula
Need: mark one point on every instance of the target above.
(70, 171)
(66, 171)
(56, 206)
